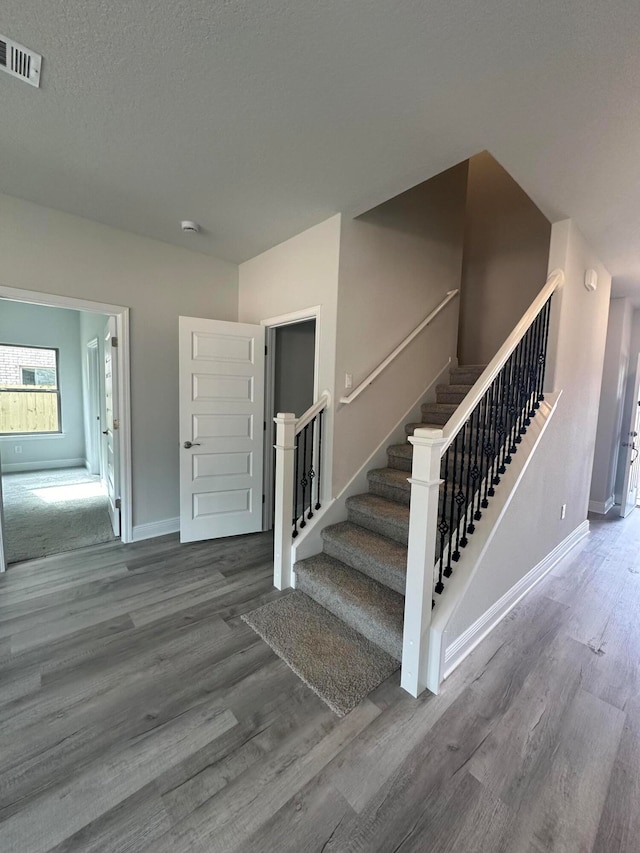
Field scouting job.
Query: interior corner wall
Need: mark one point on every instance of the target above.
(560, 471)
(52, 252)
(397, 262)
(506, 250)
(298, 274)
(41, 326)
(614, 378)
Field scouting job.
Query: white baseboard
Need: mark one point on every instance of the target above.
(602, 508)
(155, 528)
(469, 639)
(15, 467)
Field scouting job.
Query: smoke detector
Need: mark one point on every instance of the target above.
(19, 61)
(189, 227)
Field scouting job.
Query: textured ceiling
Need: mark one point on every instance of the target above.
(261, 119)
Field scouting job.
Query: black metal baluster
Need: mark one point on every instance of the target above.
(295, 493)
(452, 502)
(303, 481)
(492, 439)
(510, 410)
(477, 468)
(519, 420)
(526, 341)
(459, 495)
(443, 526)
(468, 508)
(514, 399)
(529, 375)
(534, 405)
(312, 472)
(486, 451)
(499, 427)
(545, 342)
(319, 477)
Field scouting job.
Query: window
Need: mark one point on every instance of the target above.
(29, 390)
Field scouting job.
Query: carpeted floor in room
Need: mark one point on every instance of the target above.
(48, 512)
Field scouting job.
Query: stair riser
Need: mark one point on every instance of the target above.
(445, 396)
(350, 615)
(399, 533)
(462, 377)
(363, 563)
(401, 495)
(400, 463)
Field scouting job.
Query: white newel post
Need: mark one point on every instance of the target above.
(285, 447)
(423, 520)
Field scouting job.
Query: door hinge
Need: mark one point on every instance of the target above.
(265, 351)
(118, 503)
(116, 423)
(264, 426)
(263, 499)
(114, 342)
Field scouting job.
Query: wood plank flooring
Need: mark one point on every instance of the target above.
(139, 713)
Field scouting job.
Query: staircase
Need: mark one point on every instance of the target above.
(360, 574)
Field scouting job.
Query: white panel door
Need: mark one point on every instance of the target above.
(221, 428)
(111, 445)
(632, 447)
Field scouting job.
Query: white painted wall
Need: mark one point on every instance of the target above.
(560, 472)
(299, 273)
(49, 251)
(396, 264)
(628, 404)
(38, 325)
(506, 250)
(614, 378)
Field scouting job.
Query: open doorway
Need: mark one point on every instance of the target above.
(291, 383)
(55, 429)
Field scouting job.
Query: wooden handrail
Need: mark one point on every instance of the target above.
(483, 383)
(321, 403)
(451, 294)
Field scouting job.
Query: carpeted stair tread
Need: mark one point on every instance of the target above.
(466, 374)
(452, 393)
(390, 483)
(388, 518)
(438, 413)
(336, 662)
(376, 556)
(374, 610)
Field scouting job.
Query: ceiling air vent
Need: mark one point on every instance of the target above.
(19, 61)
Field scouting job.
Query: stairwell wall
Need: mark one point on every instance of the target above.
(506, 251)
(560, 472)
(397, 262)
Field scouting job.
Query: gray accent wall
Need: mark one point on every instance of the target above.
(506, 250)
(41, 326)
(294, 367)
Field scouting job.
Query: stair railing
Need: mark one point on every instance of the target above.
(298, 480)
(451, 294)
(456, 468)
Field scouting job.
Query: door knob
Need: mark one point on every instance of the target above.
(189, 444)
(105, 432)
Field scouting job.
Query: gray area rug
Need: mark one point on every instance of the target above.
(336, 662)
(48, 512)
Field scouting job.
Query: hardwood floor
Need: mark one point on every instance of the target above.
(139, 713)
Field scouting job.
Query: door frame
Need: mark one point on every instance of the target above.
(272, 323)
(121, 313)
(94, 409)
(631, 463)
